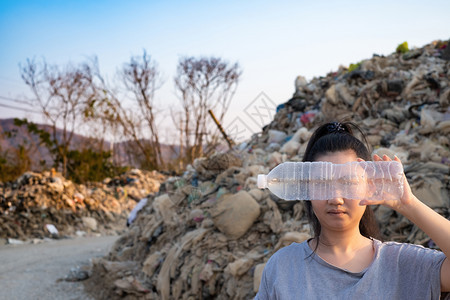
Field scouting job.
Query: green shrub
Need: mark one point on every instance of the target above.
(354, 67)
(13, 164)
(90, 165)
(402, 48)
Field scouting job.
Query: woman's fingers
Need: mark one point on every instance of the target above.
(370, 202)
(376, 157)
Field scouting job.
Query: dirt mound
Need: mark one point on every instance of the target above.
(208, 233)
(37, 203)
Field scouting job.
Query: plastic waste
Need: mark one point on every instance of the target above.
(324, 180)
(52, 229)
(136, 209)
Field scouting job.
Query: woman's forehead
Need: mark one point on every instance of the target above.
(338, 157)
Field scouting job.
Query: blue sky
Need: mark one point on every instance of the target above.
(273, 41)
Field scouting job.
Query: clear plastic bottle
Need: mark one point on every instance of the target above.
(323, 180)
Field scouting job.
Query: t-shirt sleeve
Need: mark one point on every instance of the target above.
(420, 267)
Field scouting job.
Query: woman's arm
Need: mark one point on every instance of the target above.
(432, 223)
(436, 227)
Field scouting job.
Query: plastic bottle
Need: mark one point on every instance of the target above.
(323, 180)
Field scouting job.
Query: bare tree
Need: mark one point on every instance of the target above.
(141, 79)
(64, 96)
(203, 83)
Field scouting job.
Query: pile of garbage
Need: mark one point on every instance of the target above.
(208, 234)
(39, 205)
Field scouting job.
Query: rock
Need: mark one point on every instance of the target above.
(234, 214)
(90, 223)
(77, 274)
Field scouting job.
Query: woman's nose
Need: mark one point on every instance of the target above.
(336, 201)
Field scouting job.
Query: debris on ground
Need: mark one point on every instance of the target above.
(207, 234)
(39, 205)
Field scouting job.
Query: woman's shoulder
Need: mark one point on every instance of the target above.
(399, 245)
(391, 247)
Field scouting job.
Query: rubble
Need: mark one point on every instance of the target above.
(39, 205)
(208, 233)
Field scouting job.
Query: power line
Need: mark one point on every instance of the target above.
(19, 108)
(13, 99)
(12, 81)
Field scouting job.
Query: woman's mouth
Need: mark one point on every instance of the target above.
(336, 212)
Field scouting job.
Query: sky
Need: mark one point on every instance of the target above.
(273, 42)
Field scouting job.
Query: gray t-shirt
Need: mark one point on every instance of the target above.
(398, 271)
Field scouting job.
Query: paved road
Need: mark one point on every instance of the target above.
(31, 271)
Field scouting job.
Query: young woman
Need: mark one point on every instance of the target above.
(345, 259)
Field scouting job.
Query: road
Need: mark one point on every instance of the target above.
(34, 271)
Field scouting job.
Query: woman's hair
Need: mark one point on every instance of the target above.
(336, 137)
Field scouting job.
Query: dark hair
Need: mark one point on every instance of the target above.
(335, 137)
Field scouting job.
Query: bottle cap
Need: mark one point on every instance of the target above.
(262, 181)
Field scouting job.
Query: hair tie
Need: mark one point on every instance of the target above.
(335, 127)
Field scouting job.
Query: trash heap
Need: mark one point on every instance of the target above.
(208, 233)
(39, 205)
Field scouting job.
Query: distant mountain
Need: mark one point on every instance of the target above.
(12, 136)
(122, 153)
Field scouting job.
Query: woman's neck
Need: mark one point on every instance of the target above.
(346, 250)
(341, 241)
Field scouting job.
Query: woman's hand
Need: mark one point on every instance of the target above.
(433, 224)
(397, 204)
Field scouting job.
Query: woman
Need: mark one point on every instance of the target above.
(344, 259)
